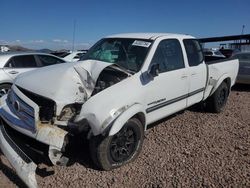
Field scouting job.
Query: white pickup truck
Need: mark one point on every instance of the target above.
(124, 83)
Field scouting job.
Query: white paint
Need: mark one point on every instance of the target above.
(112, 107)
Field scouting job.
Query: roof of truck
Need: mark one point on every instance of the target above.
(151, 36)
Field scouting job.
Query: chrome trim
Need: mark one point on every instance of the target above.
(22, 110)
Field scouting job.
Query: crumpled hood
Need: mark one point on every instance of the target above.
(65, 83)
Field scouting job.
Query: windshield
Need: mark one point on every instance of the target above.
(127, 53)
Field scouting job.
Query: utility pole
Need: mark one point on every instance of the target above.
(73, 41)
(242, 31)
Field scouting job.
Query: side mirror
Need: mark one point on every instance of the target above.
(154, 70)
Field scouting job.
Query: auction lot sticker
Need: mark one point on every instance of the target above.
(141, 43)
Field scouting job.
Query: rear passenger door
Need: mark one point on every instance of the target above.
(167, 92)
(197, 71)
(20, 64)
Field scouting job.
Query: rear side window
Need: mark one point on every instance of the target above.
(24, 61)
(194, 52)
(49, 60)
(169, 55)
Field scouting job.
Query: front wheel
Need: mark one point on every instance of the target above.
(217, 101)
(117, 150)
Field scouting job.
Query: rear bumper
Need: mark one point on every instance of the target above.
(23, 165)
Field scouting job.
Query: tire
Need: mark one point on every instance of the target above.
(4, 88)
(218, 100)
(114, 151)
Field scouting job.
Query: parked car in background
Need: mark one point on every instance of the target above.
(74, 56)
(244, 67)
(60, 54)
(226, 52)
(215, 53)
(212, 55)
(13, 64)
(229, 52)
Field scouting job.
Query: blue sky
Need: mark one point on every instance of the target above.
(49, 24)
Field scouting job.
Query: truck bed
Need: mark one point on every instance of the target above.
(217, 72)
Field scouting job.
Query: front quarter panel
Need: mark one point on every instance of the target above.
(102, 109)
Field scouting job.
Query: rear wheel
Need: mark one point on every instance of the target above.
(4, 88)
(217, 101)
(117, 150)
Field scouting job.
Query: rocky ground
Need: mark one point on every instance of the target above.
(192, 149)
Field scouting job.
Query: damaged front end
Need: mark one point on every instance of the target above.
(46, 113)
(23, 165)
(20, 117)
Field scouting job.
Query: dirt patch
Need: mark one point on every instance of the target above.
(192, 149)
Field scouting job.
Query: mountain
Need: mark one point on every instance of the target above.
(45, 50)
(18, 48)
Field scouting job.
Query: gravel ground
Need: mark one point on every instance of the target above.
(192, 149)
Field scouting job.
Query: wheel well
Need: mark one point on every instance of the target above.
(6, 83)
(228, 82)
(141, 117)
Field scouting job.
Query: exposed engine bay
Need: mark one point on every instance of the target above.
(108, 77)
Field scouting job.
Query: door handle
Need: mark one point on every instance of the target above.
(13, 72)
(193, 74)
(184, 76)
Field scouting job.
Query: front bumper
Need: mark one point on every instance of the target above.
(15, 149)
(23, 165)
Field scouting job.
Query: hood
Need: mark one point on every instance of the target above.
(63, 83)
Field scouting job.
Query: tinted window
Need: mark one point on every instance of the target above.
(10, 63)
(49, 60)
(194, 52)
(23, 61)
(169, 55)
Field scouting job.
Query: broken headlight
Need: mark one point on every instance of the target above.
(69, 112)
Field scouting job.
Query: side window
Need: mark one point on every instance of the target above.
(10, 63)
(49, 60)
(194, 52)
(169, 55)
(23, 61)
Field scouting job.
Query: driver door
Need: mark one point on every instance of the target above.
(167, 92)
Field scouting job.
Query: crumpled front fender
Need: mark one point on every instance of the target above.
(124, 117)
